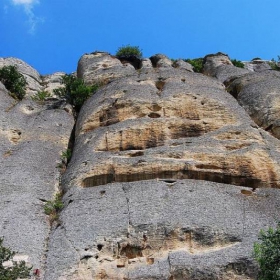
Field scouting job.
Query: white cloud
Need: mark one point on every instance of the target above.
(25, 2)
(32, 19)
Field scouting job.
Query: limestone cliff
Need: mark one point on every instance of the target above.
(172, 176)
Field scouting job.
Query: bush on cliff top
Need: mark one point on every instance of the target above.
(18, 270)
(197, 64)
(13, 81)
(267, 254)
(128, 50)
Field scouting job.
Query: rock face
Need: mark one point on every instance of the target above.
(32, 140)
(172, 175)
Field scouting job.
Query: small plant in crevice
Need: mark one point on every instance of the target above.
(41, 96)
(18, 270)
(197, 64)
(267, 253)
(75, 91)
(237, 63)
(126, 51)
(14, 81)
(52, 207)
(66, 156)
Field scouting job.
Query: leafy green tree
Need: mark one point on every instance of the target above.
(75, 91)
(126, 51)
(267, 254)
(18, 270)
(13, 81)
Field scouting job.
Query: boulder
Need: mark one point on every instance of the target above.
(181, 64)
(101, 67)
(259, 94)
(220, 66)
(160, 60)
(257, 65)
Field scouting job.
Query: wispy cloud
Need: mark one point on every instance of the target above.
(28, 6)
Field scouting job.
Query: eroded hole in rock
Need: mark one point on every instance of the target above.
(99, 247)
(131, 251)
(15, 135)
(246, 192)
(136, 154)
(160, 84)
(155, 108)
(135, 61)
(150, 261)
(169, 181)
(154, 115)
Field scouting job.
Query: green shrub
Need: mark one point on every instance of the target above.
(13, 81)
(18, 270)
(40, 96)
(267, 254)
(237, 63)
(129, 51)
(66, 155)
(75, 91)
(197, 64)
(52, 207)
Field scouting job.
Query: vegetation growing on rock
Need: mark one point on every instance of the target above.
(128, 50)
(52, 207)
(267, 254)
(197, 64)
(18, 270)
(41, 96)
(13, 81)
(75, 91)
(237, 63)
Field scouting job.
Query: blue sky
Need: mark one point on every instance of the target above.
(51, 35)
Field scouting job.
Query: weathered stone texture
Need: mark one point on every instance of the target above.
(138, 142)
(32, 140)
(219, 66)
(172, 174)
(259, 94)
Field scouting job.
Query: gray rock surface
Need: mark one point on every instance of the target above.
(32, 140)
(257, 65)
(181, 64)
(219, 66)
(160, 229)
(259, 94)
(171, 176)
(101, 67)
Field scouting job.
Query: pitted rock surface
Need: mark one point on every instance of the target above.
(32, 140)
(172, 174)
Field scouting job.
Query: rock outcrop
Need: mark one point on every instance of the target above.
(172, 175)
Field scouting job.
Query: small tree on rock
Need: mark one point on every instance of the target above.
(267, 254)
(13, 81)
(18, 270)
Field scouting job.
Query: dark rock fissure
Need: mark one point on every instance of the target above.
(104, 179)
